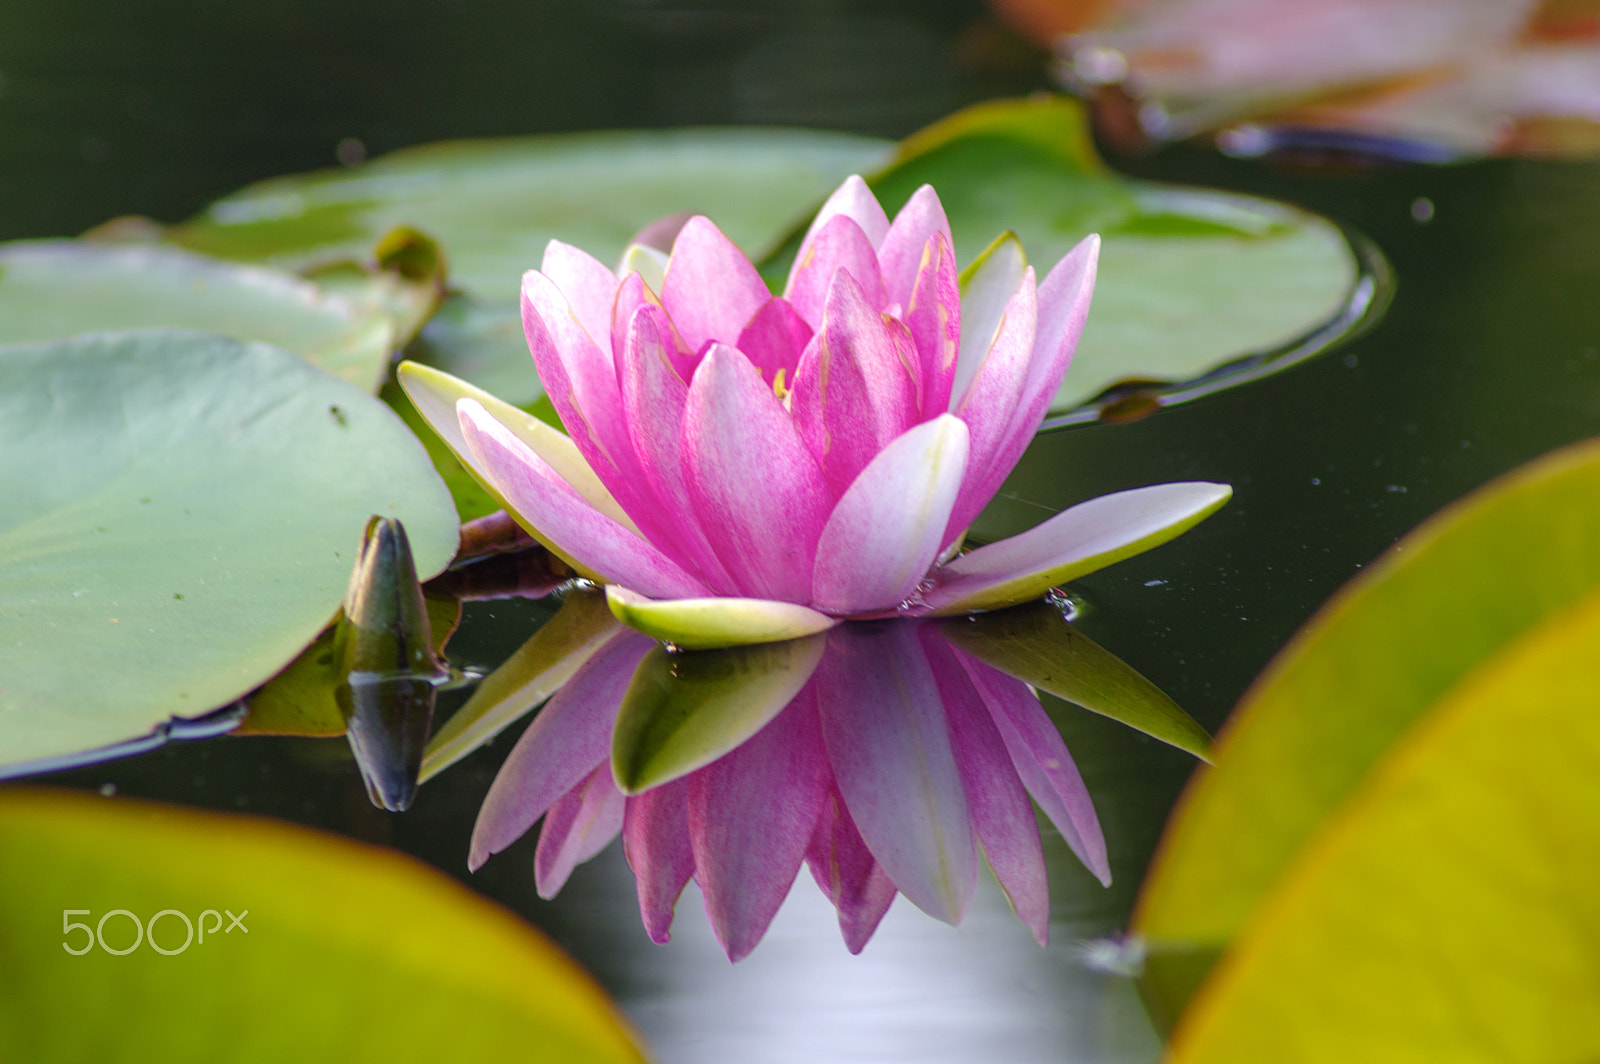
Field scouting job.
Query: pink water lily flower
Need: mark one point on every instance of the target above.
(898, 766)
(742, 467)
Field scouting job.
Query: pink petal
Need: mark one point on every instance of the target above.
(581, 823)
(1042, 761)
(853, 200)
(991, 400)
(838, 245)
(887, 529)
(589, 287)
(774, 340)
(857, 387)
(889, 744)
(934, 317)
(711, 289)
(569, 737)
(751, 817)
(633, 294)
(655, 835)
(562, 520)
(757, 490)
(845, 870)
(1002, 816)
(901, 254)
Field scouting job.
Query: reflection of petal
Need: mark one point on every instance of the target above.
(751, 816)
(708, 623)
(683, 710)
(577, 827)
(1043, 763)
(655, 833)
(845, 870)
(889, 745)
(563, 745)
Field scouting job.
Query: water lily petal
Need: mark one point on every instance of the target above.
(648, 262)
(838, 245)
(855, 201)
(1043, 762)
(774, 339)
(580, 824)
(751, 817)
(759, 493)
(986, 287)
(934, 318)
(708, 623)
(634, 293)
(889, 744)
(590, 288)
(857, 386)
(555, 515)
(887, 528)
(1001, 813)
(1079, 540)
(655, 836)
(901, 253)
(847, 873)
(569, 737)
(711, 290)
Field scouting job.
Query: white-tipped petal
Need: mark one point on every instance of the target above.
(986, 287)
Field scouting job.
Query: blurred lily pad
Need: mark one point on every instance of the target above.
(182, 512)
(51, 289)
(262, 942)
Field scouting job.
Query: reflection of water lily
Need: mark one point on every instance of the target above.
(885, 765)
(744, 467)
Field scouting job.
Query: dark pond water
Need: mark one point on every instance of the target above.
(1489, 355)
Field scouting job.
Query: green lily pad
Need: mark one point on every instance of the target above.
(182, 512)
(1189, 280)
(1447, 910)
(51, 289)
(1371, 665)
(262, 942)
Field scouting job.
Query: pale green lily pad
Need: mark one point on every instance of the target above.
(260, 942)
(712, 623)
(51, 289)
(182, 512)
(685, 709)
(1188, 280)
(483, 343)
(494, 205)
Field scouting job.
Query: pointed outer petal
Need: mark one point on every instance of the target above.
(434, 393)
(710, 623)
(751, 817)
(589, 287)
(857, 386)
(648, 262)
(855, 201)
(634, 293)
(1002, 816)
(711, 289)
(933, 317)
(901, 254)
(684, 710)
(653, 397)
(1043, 763)
(569, 737)
(882, 537)
(655, 836)
(1038, 646)
(889, 743)
(758, 492)
(1078, 540)
(986, 287)
(577, 827)
(991, 400)
(555, 515)
(774, 339)
(538, 669)
(845, 870)
(838, 245)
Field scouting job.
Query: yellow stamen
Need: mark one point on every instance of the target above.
(777, 385)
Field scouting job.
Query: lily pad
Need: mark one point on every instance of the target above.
(52, 289)
(1188, 280)
(182, 512)
(258, 940)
